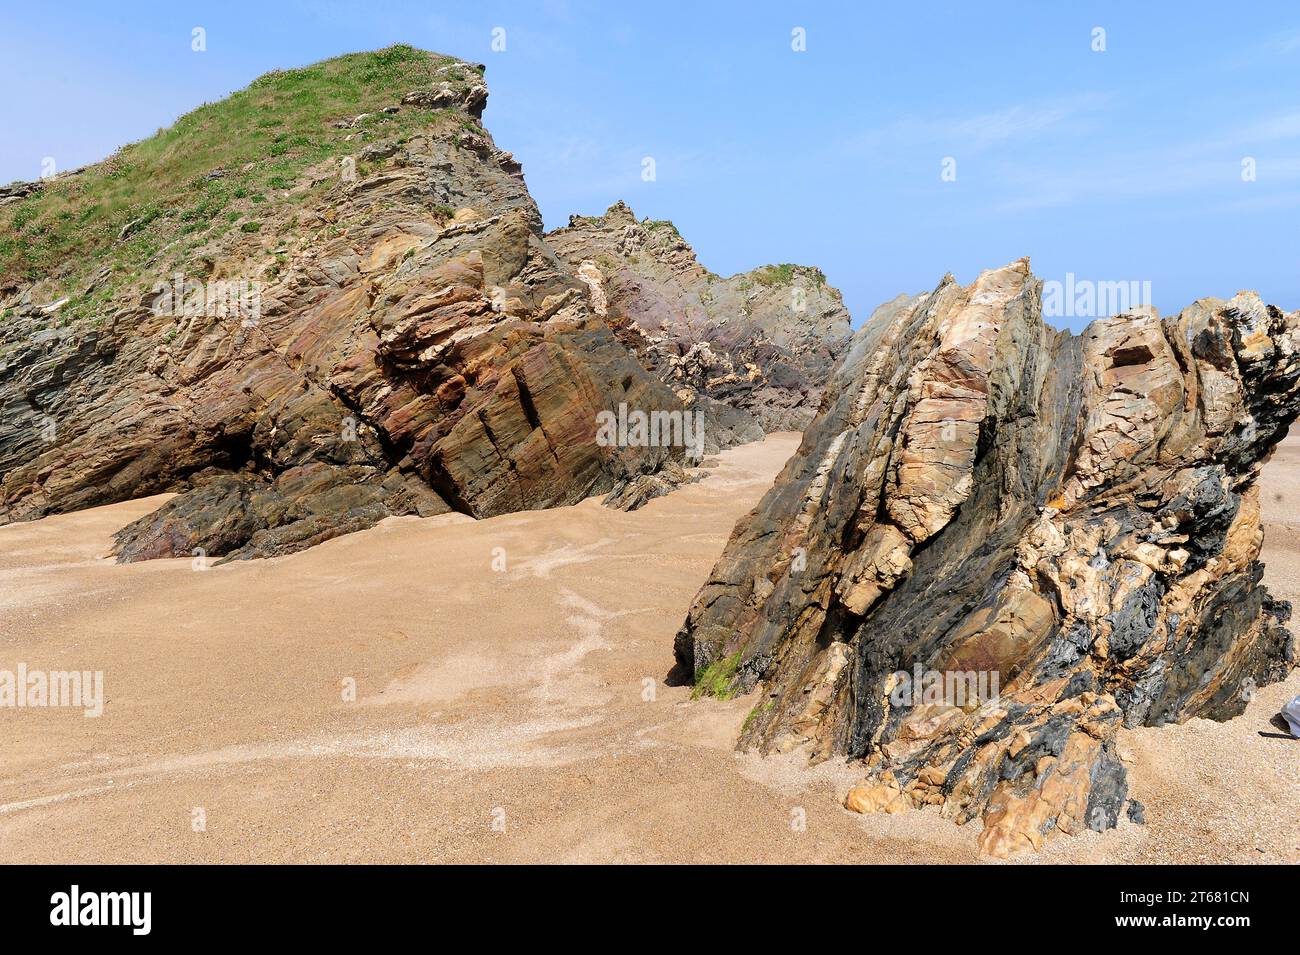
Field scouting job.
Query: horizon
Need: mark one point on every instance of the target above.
(987, 150)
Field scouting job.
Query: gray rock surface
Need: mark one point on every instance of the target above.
(762, 342)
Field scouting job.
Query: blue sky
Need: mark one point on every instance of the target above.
(1117, 165)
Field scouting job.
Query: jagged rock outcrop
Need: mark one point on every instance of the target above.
(999, 542)
(413, 345)
(16, 191)
(752, 351)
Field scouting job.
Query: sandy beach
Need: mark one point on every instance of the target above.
(510, 705)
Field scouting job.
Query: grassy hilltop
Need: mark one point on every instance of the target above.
(226, 167)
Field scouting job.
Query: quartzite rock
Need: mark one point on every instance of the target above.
(983, 496)
(752, 351)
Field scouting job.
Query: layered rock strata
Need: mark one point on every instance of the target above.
(752, 351)
(998, 543)
(416, 347)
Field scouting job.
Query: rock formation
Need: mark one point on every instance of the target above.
(411, 344)
(761, 342)
(999, 542)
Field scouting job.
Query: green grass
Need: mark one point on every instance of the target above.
(123, 211)
(786, 273)
(754, 714)
(716, 679)
(656, 225)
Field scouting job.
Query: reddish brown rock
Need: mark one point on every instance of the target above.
(401, 358)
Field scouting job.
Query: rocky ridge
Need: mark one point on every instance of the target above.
(413, 345)
(998, 543)
(751, 351)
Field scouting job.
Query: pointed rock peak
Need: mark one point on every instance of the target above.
(621, 211)
(373, 326)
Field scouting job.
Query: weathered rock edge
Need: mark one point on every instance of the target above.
(421, 350)
(751, 351)
(979, 493)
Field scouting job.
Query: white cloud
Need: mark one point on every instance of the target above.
(969, 135)
(1213, 163)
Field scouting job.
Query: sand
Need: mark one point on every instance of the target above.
(510, 712)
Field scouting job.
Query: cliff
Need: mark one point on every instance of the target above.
(321, 301)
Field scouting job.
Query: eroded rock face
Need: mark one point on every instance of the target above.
(999, 542)
(753, 351)
(425, 350)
